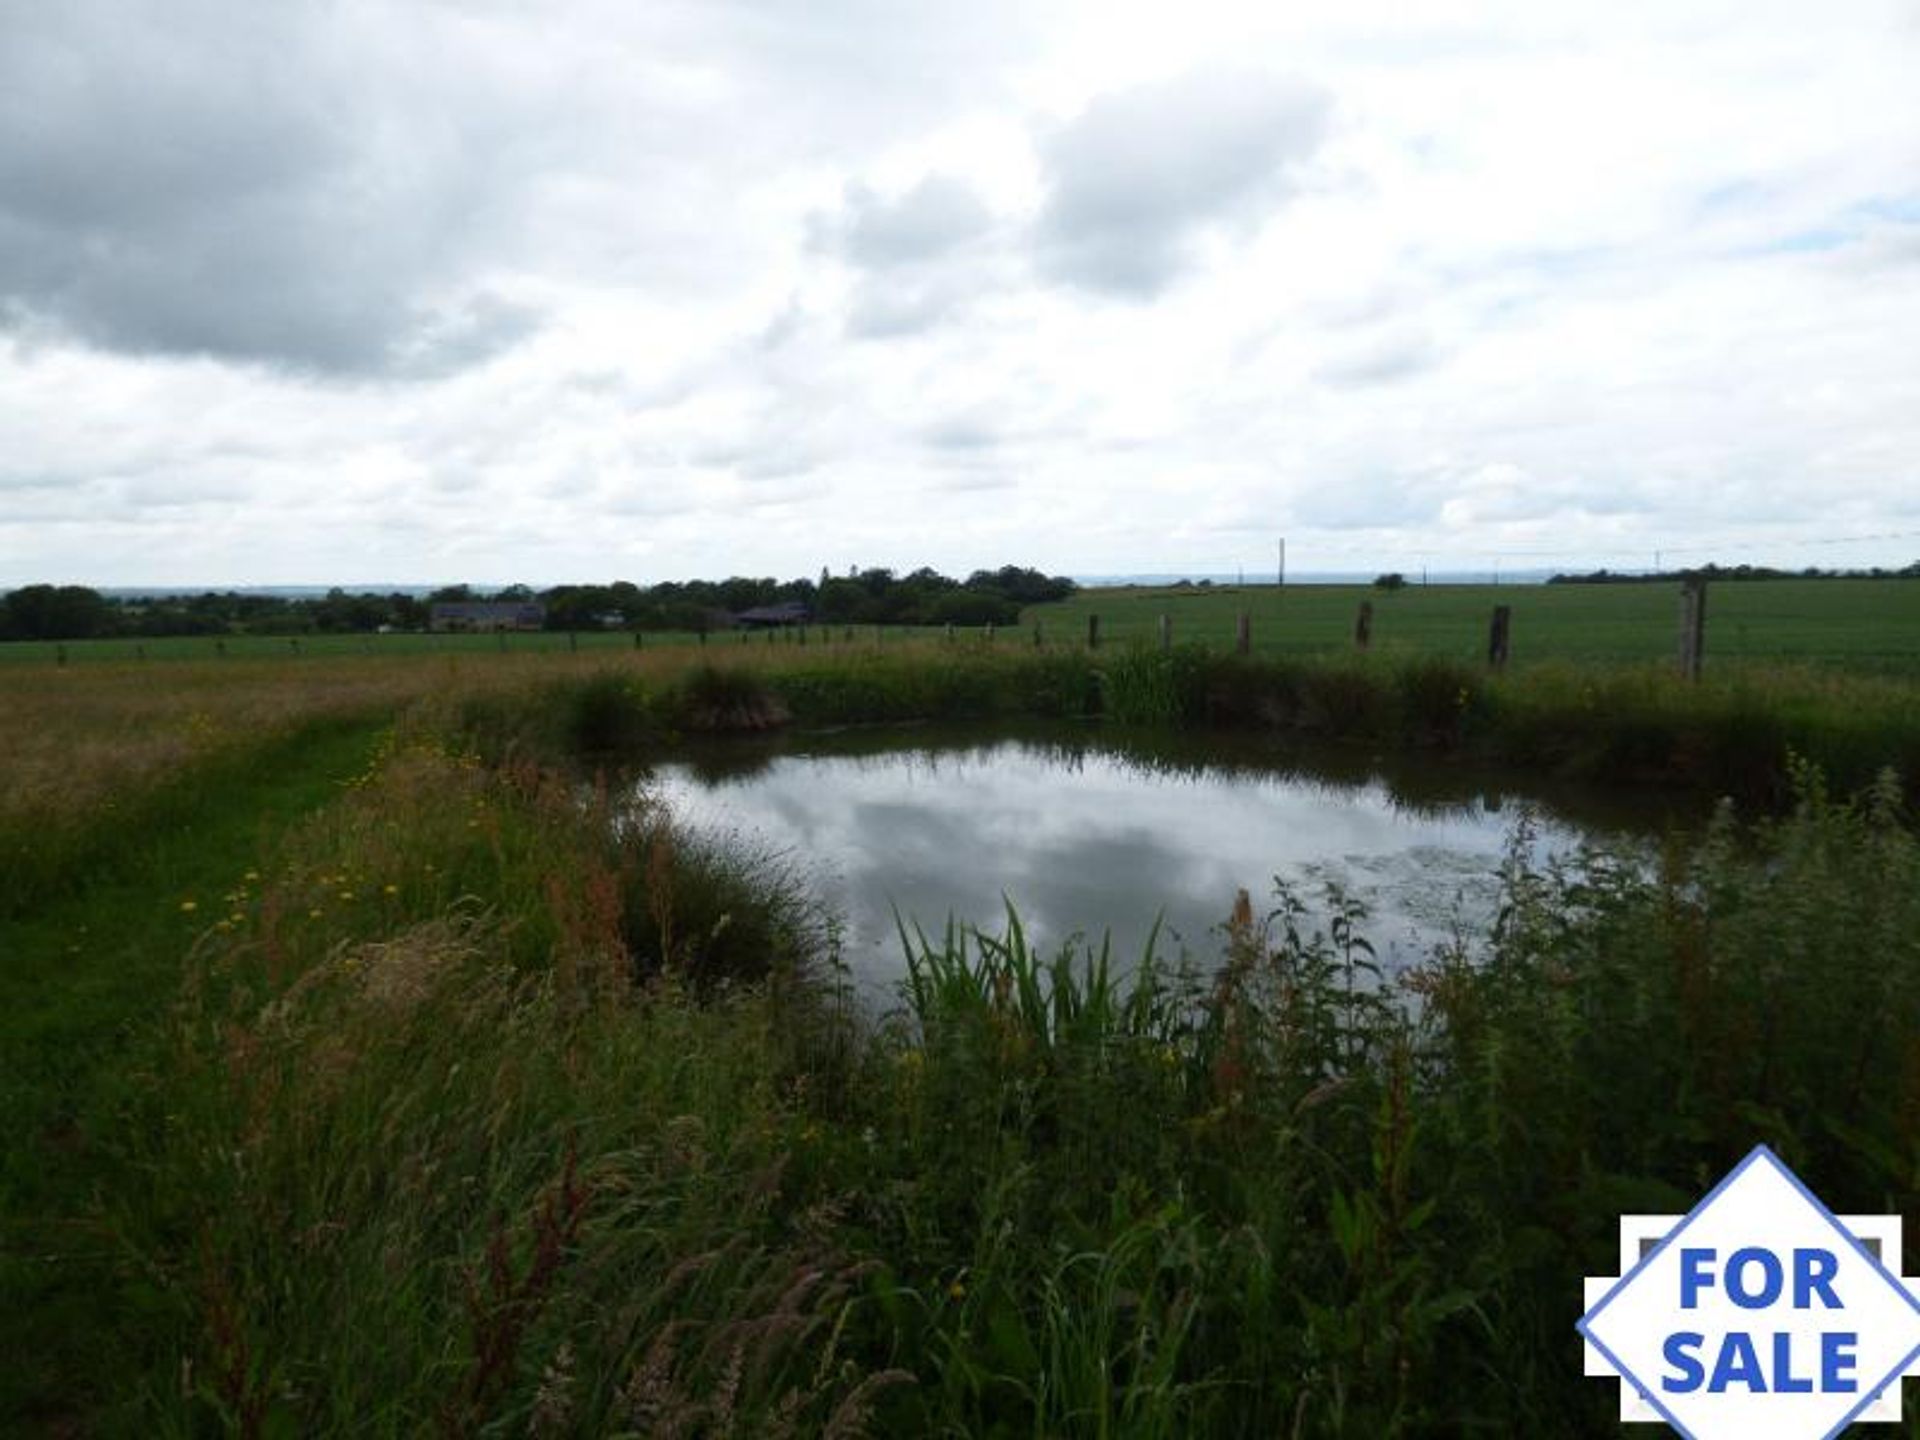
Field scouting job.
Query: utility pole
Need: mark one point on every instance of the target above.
(1280, 575)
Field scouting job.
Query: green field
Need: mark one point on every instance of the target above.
(1861, 625)
(1868, 625)
(304, 647)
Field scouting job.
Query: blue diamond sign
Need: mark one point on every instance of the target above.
(1759, 1314)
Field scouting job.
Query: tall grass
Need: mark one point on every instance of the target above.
(490, 1102)
(439, 1176)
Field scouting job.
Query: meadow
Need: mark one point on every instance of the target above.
(1860, 625)
(377, 1063)
(1865, 626)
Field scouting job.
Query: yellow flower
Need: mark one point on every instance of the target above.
(389, 889)
(346, 895)
(957, 1290)
(313, 914)
(251, 876)
(187, 907)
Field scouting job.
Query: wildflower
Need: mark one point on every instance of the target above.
(389, 889)
(313, 914)
(187, 907)
(251, 876)
(957, 1290)
(346, 895)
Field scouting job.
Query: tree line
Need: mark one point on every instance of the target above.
(860, 597)
(1735, 572)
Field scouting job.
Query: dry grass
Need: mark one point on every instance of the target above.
(82, 736)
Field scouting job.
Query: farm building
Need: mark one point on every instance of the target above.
(486, 615)
(790, 612)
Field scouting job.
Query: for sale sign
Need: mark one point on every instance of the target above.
(1760, 1314)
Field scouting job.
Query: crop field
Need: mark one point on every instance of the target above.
(1866, 625)
(375, 1062)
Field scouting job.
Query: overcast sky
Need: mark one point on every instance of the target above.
(314, 292)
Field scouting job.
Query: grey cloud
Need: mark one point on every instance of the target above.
(223, 181)
(962, 433)
(935, 217)
(1135, 175)
(1380, 360)
(885, 309)
(921, 255)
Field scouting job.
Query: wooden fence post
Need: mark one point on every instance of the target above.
(1243, 634)
(1093, 632)
(1693, 625)
(1166, 633)
(1497, 634)
(1363, 626)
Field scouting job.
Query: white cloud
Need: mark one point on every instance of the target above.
(348, 293)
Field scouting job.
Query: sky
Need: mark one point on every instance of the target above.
(342, 292)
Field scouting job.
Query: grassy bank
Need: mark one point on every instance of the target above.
(1736, 735)
(421, 1152)
(449, 1090)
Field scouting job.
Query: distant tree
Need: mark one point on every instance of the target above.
(1392, 580)
(55, 612)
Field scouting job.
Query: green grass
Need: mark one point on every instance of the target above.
(468, 1096)
(413, 645)
(83, 977)
(422, 1176)
(1864, 625)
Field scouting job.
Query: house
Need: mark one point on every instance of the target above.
(486, 615)
(790, 612)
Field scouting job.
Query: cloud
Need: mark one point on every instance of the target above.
(1137, 174)
(935, 217)
(242, 182)
(345, 290)
(919, 256)
(1380, 359)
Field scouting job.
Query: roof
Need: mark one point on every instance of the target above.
(487, 610)
(787, 610)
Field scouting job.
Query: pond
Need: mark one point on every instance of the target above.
(1096, 833)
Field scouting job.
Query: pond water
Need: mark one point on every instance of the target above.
(1091, 832)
